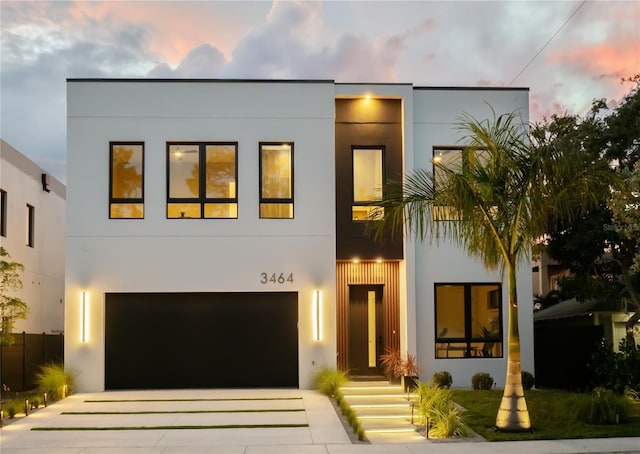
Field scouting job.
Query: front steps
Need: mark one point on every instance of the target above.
(383, 411)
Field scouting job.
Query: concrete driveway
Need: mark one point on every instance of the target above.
(271, 421)
(177, 421)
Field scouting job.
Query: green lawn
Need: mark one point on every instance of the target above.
(551, 412)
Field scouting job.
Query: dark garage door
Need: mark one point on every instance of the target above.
(201, 340)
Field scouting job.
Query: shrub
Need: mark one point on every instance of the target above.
(438, 413)
(527, 380)
(391, 361)
(328, 381)
(442, 379)
(447, 423)
(602, 406)
(11, 408)
(55, 381)
(349, 414)
(632, 395)
(431, 399)
(482, 380)
(616, 371)
(34, 401)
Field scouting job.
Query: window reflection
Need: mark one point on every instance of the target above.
(126, 197)
(276, 180)
(468, 320)
(367, 183)
(202, 180)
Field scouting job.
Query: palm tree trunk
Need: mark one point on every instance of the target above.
(513, 414)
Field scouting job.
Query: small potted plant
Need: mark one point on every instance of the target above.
(408, 371)
(391, 361)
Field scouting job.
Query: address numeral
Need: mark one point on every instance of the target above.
(275, 278)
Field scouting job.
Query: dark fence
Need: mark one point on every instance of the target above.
(22, 361)
(562, 354)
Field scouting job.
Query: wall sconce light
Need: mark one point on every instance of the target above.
(84, 318)
(46, 182)
(317, 315)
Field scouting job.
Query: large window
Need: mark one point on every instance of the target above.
(30, 224)
(202, 180)
(276, 180)
(3, 212)
(468, 320)
(126, 180)
(367, 183)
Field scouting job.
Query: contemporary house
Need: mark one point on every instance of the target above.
(32, 230)
(216, 235)
(32, 215)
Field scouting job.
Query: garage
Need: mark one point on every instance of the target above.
(201, 340)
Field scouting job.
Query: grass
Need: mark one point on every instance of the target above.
(229, 426)
(552, 415)
(194, 400)
(176, 412)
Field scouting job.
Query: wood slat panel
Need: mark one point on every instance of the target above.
(367, 273)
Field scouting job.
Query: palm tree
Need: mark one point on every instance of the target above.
(509, 183)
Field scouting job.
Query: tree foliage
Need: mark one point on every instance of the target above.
(601, 246)
(12, 308)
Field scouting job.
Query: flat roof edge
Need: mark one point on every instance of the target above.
(474, 88)
(201, 80)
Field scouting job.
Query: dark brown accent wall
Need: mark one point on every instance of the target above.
(367, 273)
(361, 122)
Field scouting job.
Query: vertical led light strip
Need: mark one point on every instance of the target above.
(371, 327)
(84, 318)
(317, 315)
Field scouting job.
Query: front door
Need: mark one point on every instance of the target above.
(366, 329)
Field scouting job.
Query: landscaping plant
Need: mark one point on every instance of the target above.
(55, 381)
(328, 381)
(500, 209)
(391, 362)
(438, 412)
(482, 380)
(527, 380)
(602, 406)
(443, 379)
(616, 370)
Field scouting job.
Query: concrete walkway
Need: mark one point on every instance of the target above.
(317, 427)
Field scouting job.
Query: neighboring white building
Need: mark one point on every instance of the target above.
(215, 235)
(32, 230)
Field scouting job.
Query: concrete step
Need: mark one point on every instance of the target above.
(382, 409)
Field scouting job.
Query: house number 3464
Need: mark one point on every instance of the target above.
(275, 278)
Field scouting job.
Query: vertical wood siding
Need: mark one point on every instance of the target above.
(368, 273)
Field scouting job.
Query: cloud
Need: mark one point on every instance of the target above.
(425, 43)
(203, 61)
(40, 50)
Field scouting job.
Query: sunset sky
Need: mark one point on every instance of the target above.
(567, 52)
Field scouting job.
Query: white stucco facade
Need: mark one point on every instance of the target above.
(43, 275)
(160, 255)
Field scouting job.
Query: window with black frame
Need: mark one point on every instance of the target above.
(126, 180)
(276, 180)
(368, 177)
(468, 320)
(202, 180)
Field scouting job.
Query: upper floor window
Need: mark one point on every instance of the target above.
(202, 179)
(367, 183)
(126, 180)
(456, 159)
(3, 212)
(468, 320)
(276, 180)
(30, 224)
